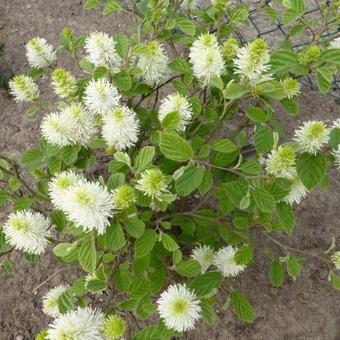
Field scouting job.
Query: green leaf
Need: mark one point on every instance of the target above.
(134, 226)
(112, 6)
(290, 15)
(180, 65)
(311, 169)
(123, 80)
(190, 268)
(286, 216)
(256, 114)
(206, 182)
(64, 249)
(168, 242)
(186, 25)
(244, 255)
(331, 55)
(324, 78)
(65, 302)
(69, 154)
(264, 200)
(22, 203)
(206, 283)
(335, 281)
(334, 138)
(239, 15)
(114, 237)
(91, 4)
(4, 196)
(122, 157)
(115, 181)
(234, 91)
(145, 243)
(217, 82)
(223, 145)
(144, 158)
(208, 312)
(87, 255)
(100, 72)
(251, 167)
(175, 147)
(283, 60)
(276, 273)
(294, 266)
(242, 307)
(32, 159)
(264, 140)
(189, 180)
(171, 120)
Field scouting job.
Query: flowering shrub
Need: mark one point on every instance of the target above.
(160, 162)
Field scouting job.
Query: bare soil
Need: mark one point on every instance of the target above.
(308, 308)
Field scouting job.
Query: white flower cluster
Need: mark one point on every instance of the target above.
(87, 204)
(73, 125)
(101, 96)
(81, 324)
(85, 324)
(120, 128)
(252, 62)
(28, 231)
(50, 300)
(23, 89)
(312, 136)
(176, 103)
(101, 50)
(206, 57)
(40, 53)
(223, 259)
(154, 64)
(179, 307)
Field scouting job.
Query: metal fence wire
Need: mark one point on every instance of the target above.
(273, 31)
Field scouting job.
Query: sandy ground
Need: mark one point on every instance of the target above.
(305, 309)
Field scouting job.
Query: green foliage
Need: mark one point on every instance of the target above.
(202, 173)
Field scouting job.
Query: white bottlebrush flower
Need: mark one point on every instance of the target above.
(101, 96)
(335, 43)
(50, 300)
(291, 87)
(152, 183)
(336, 259)
(81, 324)
(297, 192)
(312, 136)
(55, 130)
(74, 125)
(59, 184)
(40, 53)
(120, 128)
(281, 162)
(336, 154)
(81, 124)
(224, 261)
(179, 308)
(176, 102)
(252, 62)
(207, 58)
(23, 89)
(204, 255)
(63, 82)
(154, 64)
(114, 327)
(28, 231)
(101, 50)
(88, 205)
(123, 197)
